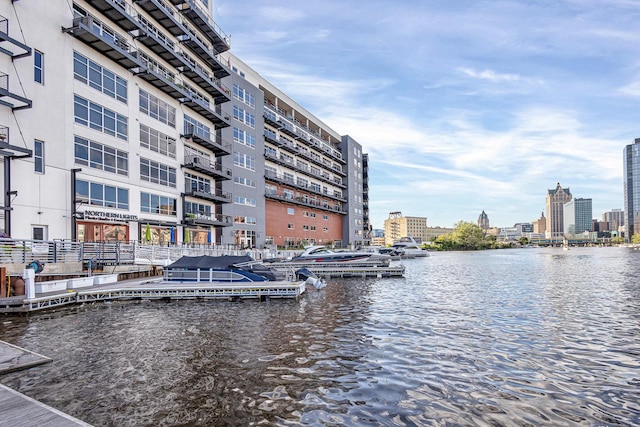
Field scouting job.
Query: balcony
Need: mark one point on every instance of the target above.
(200, 191)
(118, 12)
(197, 46)
(8, 150)
(200, 19)
(160, 78)
(90, 31)
(301, 202)
(281, 179)
(10, 46)
(10, 99)
(159, 44)
(163, 15)
(211, 85)
(205, 166)
(203, 139)
(204, 109)
(216, 220)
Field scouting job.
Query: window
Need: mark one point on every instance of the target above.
(38, 232)
(158, 142)
(245, 220)
(158, 109)
(192, 126)
(244, 96)
(244, 201)
(38, 67)
(102, 157)
(157, 173)
(290, 211)
(97, 117)
(243, 137)
(102, 195)
(202, 211)
(290, 226)
(244, 181)
(244, 161)
(99, 78)
(244, 117)
(153, 203)
(38, 156)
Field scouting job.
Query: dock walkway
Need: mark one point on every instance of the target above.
(150, 288)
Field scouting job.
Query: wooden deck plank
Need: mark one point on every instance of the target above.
(19, 410)
(13, 358)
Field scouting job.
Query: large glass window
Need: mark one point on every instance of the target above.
(157, 108)
(158, 142)
(244, 96)
(157, 173)
(99, 78)
(102, 157)
(97, 117)
(244, 161)
(98, 194)
(191, 125)
(245, 138)
(244, 117)
(153, 203)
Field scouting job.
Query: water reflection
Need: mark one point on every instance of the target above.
(520, 337)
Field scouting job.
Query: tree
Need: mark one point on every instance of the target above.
(617, 240)
(468, 235)
(635, 239)
(523, 241)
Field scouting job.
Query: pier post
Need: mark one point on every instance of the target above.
(29, 276)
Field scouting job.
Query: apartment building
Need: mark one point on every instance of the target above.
(398, 226)
(631, 162)
(126, 120)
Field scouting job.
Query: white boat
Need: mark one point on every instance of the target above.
(409, 248)
(321, 254)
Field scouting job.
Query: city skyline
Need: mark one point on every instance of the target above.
(462, 104)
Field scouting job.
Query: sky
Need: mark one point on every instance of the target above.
(463, 106)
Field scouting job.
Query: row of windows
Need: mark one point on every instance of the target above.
(157, 108)
(153, 203)
(98, 194)
(291, 211)
(244, 116)
(242, 137)
(244, 96)
(247, 182)
(191, 125)
(292, 226)
(245, 220)
(158, 142)
(157, 173)
(244, 161)
(99, 78)
(197, 209)
(97, 117)
(238, 200)
(102, 157)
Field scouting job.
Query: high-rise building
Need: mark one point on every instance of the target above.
(137, 117)
(483, 221)
(578, 215)
(398, 226)
(556, 198)
(631, 189)
(540, 224)
(614, 218)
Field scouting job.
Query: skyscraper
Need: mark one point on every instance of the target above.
(578, 216)
(483, 221)
(556, 198)
(632, 189)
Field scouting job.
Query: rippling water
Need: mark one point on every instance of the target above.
(513, 337)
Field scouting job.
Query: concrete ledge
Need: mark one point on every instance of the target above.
(52, 286)
(103, 279)
(80, 282)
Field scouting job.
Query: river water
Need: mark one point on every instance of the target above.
(510, 337)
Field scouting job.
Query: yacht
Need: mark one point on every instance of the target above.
(316, 254)
(409, 248)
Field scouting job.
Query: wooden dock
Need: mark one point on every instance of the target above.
(151, 289)
(18, 410)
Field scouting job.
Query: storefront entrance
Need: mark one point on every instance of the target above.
(101, 232)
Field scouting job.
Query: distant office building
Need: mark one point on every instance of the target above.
(577, 216)
(377, 232)
(631, 189)
(483, 221)
(540, 224)
(556, 199)
(398, 226)
(432, 233)
(615, 218)
(524, 227)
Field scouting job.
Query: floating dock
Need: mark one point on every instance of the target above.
(341, 269)
(151, 289)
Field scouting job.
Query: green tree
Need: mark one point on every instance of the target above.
(523, 241)
(635, 239)
(468, 235)
(617, 240)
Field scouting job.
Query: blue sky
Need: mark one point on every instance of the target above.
(463, 106)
